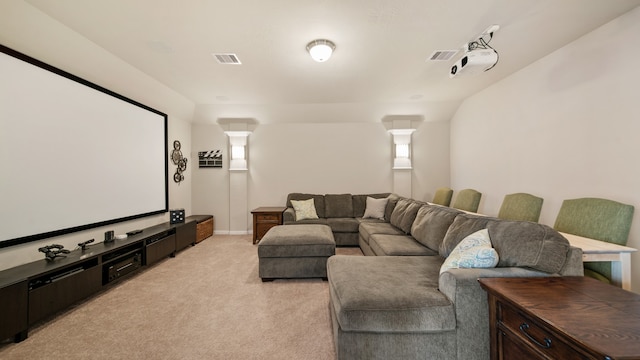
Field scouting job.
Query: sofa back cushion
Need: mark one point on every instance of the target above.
(360, 203)
(317, 199)
(528, 244)
(391, 205)
(463, 225)
(431, 225)
(338, 206)
(398, 212)
(404, 214)
(518, 243)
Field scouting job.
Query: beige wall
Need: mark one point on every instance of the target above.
(564, 127)
(347, 157)
(27, 30)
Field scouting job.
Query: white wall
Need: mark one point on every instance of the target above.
(564, 127)
(337, 156)
(28, 30)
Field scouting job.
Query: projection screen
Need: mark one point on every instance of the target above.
(75, 155)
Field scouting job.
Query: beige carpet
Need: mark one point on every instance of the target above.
(206, 303)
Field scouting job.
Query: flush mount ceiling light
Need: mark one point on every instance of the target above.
(321, 49)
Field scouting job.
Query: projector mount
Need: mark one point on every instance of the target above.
(481, 43)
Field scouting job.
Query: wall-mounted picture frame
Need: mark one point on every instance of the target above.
(210, 159)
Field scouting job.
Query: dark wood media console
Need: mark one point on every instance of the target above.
(32, 292)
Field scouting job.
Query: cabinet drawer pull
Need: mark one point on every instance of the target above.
(547, 342)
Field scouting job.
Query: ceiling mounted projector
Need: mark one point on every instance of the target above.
(478, 55)
(474, 61)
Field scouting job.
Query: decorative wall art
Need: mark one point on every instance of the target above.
(179, 161)
(210, 159)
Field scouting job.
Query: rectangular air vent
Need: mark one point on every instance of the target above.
(442, 55)
(227, 59)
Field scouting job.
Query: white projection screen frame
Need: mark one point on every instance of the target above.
(76, 155)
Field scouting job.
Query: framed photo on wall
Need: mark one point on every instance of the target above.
(210, 159)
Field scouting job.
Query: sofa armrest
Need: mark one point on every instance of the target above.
(289, 216)
(471, 306)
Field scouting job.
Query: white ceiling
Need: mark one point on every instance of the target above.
(382, 45)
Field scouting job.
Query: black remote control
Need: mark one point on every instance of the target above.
(133, 232)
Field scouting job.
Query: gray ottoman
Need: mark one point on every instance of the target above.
(295, 251)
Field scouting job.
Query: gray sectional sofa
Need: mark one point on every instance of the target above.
(397, 304)
(341, 212)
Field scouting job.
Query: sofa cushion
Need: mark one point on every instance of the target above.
(338, 206)
(472, 252)
(518, 243)
(398, 245)
(391, 205)
(297, 241)
(528, 244)
(305, 209)
(367, 229)
(389, 294)
(463, 225)
(360, 202)
(431, 225)
(319, 221)
(409, 216)
(317, 199)
(343, 225)
(404, 214)
(375, 208)
(398, 212)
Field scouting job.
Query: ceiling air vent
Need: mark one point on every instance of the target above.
(442, 55)
(227, 59)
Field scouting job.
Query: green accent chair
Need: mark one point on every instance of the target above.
(467, 200)
(443, 196)
(599, 219)
(521, 206)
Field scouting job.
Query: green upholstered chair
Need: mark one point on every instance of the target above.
(443, 196)
(599, 219)
(521, 206)
(467, 200)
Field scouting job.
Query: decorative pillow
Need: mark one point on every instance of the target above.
(305, 209)
(375, 208)
(474, 251)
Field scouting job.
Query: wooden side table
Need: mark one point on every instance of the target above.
(264, 218)
(561, 318)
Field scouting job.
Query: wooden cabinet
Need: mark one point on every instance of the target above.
(159, 248)
(561, 318)
(13, 311)
(50, 293)
(264, 218)
(186, 235)
(34, 291)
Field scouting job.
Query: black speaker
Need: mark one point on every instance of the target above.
(176, 216)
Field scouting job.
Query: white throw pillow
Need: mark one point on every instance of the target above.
(375, 208)
(474, 251)
(305, 209)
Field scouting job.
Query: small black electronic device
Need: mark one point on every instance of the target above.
(53, 251)
(108, 236)
(121, 267)
(133, 232)
(83, 245)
